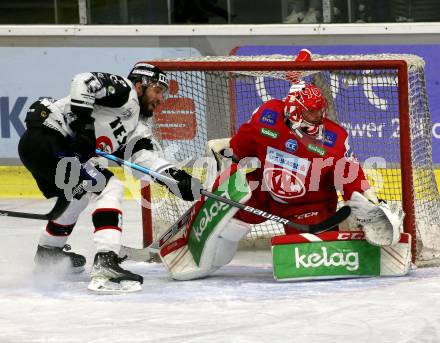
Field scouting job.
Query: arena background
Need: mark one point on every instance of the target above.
(52, 48)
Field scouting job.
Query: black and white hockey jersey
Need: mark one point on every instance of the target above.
(113, 102)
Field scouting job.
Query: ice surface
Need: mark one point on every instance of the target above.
(239, 303)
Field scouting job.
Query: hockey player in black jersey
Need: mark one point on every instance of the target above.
(109, 112)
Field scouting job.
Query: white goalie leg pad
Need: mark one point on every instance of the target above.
(218, 251)
(380, 224)
(210, 234)
(396, 260)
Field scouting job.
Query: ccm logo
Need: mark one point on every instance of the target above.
(351, 235)
(306, 215)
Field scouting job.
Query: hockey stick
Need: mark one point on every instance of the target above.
(325, 225)
(150, 253)
(57, 210)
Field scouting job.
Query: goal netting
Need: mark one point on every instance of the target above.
(379, 99)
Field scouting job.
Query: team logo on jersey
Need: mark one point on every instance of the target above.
(329, 138)
(283, 183)
(105, 144)
(287, 161)
(268, 117)
(269, 133)
(291, 145)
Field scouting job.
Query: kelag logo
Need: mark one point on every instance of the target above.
(322, 258)
(326, 258)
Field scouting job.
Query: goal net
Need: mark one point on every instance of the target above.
(379, 99)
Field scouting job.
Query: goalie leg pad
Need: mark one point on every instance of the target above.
(396, 260)
(225, 246)
(211, 236)
(336, 255)
(218, 251)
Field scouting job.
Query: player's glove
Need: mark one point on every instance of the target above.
(188, 187)
(84, 142)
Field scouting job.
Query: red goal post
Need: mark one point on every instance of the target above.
(372, 93)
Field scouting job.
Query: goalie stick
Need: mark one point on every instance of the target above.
(57, 210)
(325, 225)
(149, 253)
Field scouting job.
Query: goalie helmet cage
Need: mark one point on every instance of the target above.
(379, 99)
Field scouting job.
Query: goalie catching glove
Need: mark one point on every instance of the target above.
(380, 224)
(186, 187)
(223, 154)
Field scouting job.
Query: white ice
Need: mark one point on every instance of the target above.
(239, 303)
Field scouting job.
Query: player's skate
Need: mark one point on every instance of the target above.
(58, 259)
(108, 277)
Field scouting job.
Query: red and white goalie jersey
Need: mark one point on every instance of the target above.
(298, 176)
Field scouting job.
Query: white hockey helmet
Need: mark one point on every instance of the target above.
(148, 74)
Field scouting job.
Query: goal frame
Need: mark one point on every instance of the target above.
(401, 66)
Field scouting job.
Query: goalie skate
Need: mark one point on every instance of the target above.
(108, 277)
